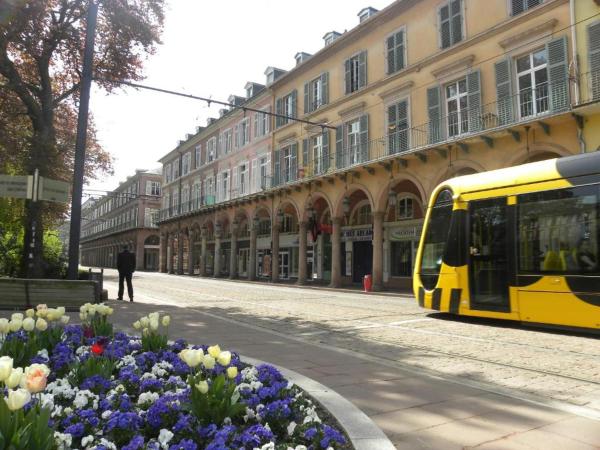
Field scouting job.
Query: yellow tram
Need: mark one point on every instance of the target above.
(520, 243)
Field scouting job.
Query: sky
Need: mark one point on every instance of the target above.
(211, 48)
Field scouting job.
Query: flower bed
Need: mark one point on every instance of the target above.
(88, 387)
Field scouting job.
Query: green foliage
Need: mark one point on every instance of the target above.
(20, 351)
(94, 365)
(219, 402)
(55, 263)
(20, 430)
(153, 341)
(101, 326)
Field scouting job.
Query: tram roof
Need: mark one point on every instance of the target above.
(568, 168)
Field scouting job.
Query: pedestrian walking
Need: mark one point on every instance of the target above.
(126, 267)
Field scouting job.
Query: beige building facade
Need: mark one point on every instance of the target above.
(415, 94)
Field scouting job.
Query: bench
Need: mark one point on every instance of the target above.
(20, 293)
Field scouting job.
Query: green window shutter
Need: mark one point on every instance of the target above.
(474, 100)
(445, 31)
(392, 119)
(294, 95)
(276, 168)
(362, 69)
(399, 52)
(434, 109)
(325, 162)
(325, 87)
(347, 77)
(504, 92)
(293, 176)
(398, 123)
(364, 138)
(305, 153)
(456, 21)
(558, 74)
(518, 6)
(339, 147)
(279, 110)
(390, 54)
(306, 99)
(594, 60)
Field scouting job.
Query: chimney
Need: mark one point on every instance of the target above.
(365, 13)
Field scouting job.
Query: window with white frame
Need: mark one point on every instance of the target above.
(362, 215)
(457, 107)
(395, 51)
(519, 6)
(261, 124)
(150, 217)
(186, 163)
(316, 143)
(211, 149)
(244, 132)
(286, 108)
(289, 224)
(353, 139)
(209, 190)
(223, 186)
(168, 173)
(185, 198)
(288, 163)
(196, 190)
(532, 79)
(176, 169)
(355, 69)
(197, 156)
(451, 23)
(397, 119)
(264, 180)
(175, 201)
(316, 93)
(152, 187)
(243, 179)
(227, 141)
(404, 208)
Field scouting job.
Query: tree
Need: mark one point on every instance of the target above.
(41, 52)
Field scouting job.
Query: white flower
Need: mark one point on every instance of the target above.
(147, 397)
(43, 353)
(14, 379)
(106, 414)
(137, 325)
(192, 357)
(202, 387)
(83, 316)
(17, 316)
(166, 320)
(164, 437)
(153, 324)
(6, 367)
(65, 320)
(232, 372)
(208, 362)
(15, 325)
(224, 358)
(17, 399)
(214, 351)
(4, 329)
(41, 324)
(153, 316)
(63, 441)
(87, 440)
(28, 324)
(291, 427)
(145, 322)
(108, 444)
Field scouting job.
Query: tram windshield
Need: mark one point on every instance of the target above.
(435, 239)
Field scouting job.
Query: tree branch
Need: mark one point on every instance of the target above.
(66, 94)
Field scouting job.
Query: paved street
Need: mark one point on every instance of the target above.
(436, 377)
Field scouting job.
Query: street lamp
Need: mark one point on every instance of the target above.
(346, 206)
(392, 198)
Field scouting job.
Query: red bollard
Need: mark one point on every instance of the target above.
(367, 283)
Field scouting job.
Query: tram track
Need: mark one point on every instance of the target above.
(319, 331)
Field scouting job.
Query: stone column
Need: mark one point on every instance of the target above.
(139, 251)
(302, 253)
(180, 253)
(191, 254)
(275, 252)
(378, 250)
(203, 253)
(162, 256)
(170, 254)
(336, 268)
(252, 264)
(234, 256)
(217, 259)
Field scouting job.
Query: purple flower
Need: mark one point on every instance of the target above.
(124, 421)
(76, 430)
(136, 443)
(185, 444)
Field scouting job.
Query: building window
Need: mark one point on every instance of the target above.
(152, 188)
(317, 154)
(395, 48)
(356, 72)
(186, 163)
(451, 27)
(316, 93)
(264, 227)
(265, 172)
(176, 169)
(286, 106)
(532, 79)
(401, 257)
(185, 198)
(518, 6)
(243, 132)
(211, 149)
(243, 179)
(196, 190)
(168, 173)
(353, 139)
(288, 158)
(404, 208)
(362, 215)
(226, 141)
(352, 142)
(197, 156)
(288, 225)
(261, 124)
(223, 186)
(150, 218)
(457, 107)
(397, 118)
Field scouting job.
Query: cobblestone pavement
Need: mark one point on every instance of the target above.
(557, 368)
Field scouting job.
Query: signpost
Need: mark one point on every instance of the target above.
(53, 190)
(34, 187)
(19, 186)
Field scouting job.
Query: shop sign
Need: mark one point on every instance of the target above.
(405, 233)
(357, 234)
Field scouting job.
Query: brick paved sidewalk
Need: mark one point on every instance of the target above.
(416, 412)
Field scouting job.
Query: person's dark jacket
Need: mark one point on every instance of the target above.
(126, 262)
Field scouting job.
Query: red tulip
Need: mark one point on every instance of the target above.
(97, 349)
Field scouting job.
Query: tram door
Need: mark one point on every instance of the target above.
(488, 250)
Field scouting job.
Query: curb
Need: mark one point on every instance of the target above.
(361, 430)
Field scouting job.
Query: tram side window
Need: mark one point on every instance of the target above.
(559, 231)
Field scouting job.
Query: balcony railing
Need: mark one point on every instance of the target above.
(525, 106)
(589, 88)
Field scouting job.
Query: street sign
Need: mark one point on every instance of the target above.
(53, 190)
(16, 186)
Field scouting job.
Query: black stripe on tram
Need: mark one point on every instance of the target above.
(436, 299)
(421, 297)
(455, 300)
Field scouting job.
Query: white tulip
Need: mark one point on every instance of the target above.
(65, 320)
(153, 316)
(6, 366)
(192, 357)
(208, 362)
(166, 320)
(83, 316)
(61, 311)
(232, 372)
(224, 358)
(15, 325)
(28, 324)
(41, 324)
(214, 351)
(153, 324)
(17, 316)
(30, 312)
(4, 329)
(17, 399)
(145, 322)
(137, 325)
(202, 386)
(14, 379)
